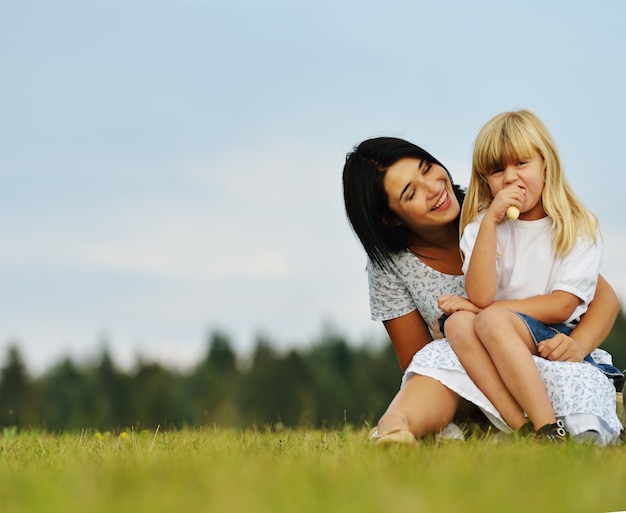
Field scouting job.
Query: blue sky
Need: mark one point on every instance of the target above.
(171, 167)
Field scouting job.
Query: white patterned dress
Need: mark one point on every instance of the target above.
(581, 394)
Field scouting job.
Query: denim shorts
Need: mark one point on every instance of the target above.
(540, 331)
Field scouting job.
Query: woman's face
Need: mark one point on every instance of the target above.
(420, 194)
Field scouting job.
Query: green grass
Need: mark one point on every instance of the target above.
(301, 471)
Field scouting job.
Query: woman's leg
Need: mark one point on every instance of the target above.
(475, 359)
(422, 406)
(507, 340)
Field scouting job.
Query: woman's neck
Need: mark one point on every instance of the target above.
(439, 237)
(440, 250)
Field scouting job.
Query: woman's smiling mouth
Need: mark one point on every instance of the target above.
(442, 200)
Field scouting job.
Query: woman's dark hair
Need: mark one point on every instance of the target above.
(365, 198)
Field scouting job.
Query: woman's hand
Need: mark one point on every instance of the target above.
(561, 348)
(450, 304)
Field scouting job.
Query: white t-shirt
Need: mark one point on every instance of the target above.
(526, 265)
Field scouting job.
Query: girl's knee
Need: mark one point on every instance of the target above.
(458, 327)
(491, 320)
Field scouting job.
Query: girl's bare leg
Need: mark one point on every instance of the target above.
(477, 362)
(422, 406)
(506, 338)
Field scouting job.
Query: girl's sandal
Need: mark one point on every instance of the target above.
(554, 433)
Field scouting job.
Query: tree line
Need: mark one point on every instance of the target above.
(328, 385)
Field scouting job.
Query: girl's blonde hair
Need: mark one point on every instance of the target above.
(512, 136)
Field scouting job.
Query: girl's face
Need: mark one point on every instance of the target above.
(420, 194)
(528, 174)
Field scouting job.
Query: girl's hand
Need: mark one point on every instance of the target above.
(451, 304)
(507, 197)
(561, 348)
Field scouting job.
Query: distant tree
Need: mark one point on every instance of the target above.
(376, 378)
(277, 390)
(615, 343)
(64, 398)
(17, 398)
(212, 385)
(257, 408)
(331, 362)
(221, 359)
(156, 397)
(110, 392)
(327, 385)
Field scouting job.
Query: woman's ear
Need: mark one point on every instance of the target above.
(391, 222)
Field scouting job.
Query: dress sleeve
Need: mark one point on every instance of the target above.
(389, 295)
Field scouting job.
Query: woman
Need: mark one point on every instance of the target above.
(404, 208)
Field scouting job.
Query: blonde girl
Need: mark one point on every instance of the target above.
(506, 138)
(527, 278)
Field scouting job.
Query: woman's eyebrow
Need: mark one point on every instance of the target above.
(421, 164)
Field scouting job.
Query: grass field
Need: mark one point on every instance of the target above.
(301, 471)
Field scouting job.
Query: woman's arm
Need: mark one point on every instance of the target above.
(593, 328)
(408, 335)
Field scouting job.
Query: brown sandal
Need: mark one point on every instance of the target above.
(396, 436)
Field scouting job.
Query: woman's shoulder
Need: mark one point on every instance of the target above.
(408, 284)
(405, 265)
(397, 263)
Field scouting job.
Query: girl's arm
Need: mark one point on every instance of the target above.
(481, 279)
(593, 328)
(408, 335)
(552, 308)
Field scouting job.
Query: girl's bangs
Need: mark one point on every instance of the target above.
(503, 147)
